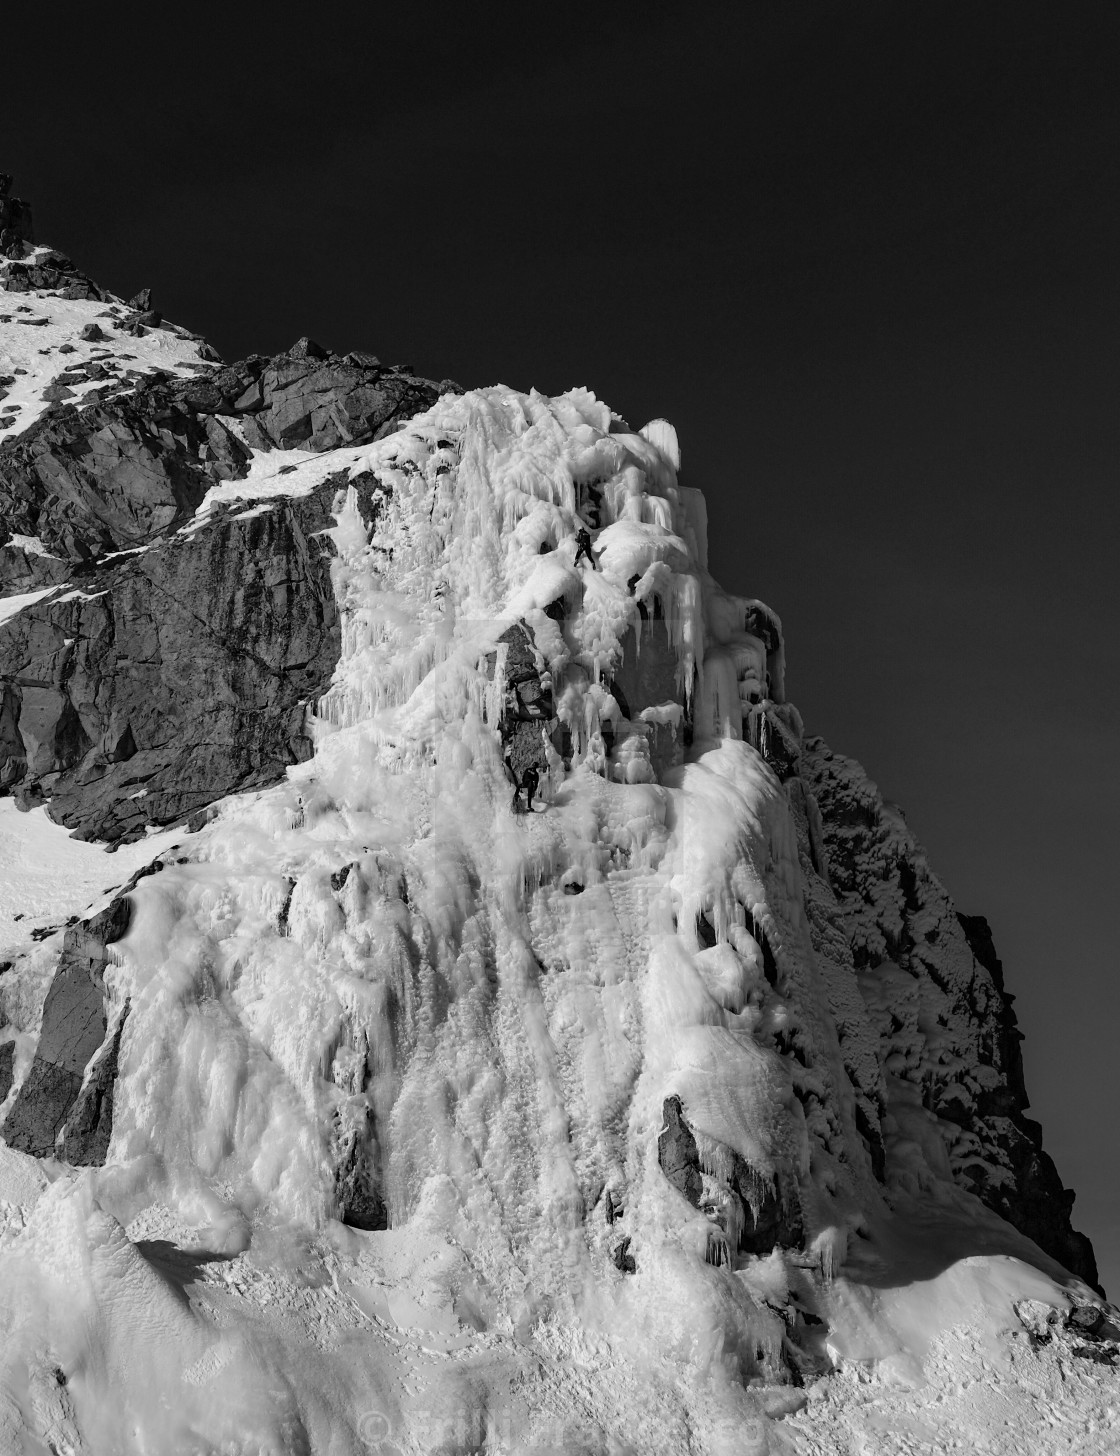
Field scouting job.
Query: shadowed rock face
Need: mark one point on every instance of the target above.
(1037, 1203)
(175, 675)
(75, 1017)
(85, 1138)
(111, 476)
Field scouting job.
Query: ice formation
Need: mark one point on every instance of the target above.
(436, 1126)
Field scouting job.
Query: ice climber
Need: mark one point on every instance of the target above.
(529, 781)
(583, 547)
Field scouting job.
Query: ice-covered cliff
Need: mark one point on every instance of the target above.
(366, 1101)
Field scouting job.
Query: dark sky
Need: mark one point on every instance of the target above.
(862, 254)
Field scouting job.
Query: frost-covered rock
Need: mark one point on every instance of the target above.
(942, 1027)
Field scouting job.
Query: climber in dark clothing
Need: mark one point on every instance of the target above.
(583, 547)
(529, 781)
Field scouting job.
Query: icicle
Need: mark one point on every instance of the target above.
(720, 711)
(830, 1249)
(661, 434)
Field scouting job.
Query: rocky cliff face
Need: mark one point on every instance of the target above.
(178, 657)
(663, 1055)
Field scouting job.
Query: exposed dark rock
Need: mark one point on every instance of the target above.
(1036, 1202)
(528, 712)
(85, 1138)
(141, 301)
(57, 391)
(51, 270)
(178, 675)
(623, 1259)
(778, 743)
(73, 1029)
(677, 1153)
(1086, 1319)
(7, 1057)
(25, 571)
(113, 476)
(769, 1209)
(155, 868)
(321, 404)
(28, 796)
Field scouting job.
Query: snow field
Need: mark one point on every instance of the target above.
(33, 328)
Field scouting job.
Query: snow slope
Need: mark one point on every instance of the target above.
(41, 339)
(374, 991)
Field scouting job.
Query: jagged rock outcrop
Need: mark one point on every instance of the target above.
(932, 989)
(52, 1105)
(16, 227)
(49, 269)
(1036, 1201)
